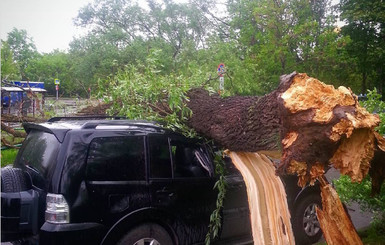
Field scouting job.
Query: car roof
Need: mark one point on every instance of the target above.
(60, 126)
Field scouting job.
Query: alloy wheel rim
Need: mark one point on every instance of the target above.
(310, 222)
(147, 241)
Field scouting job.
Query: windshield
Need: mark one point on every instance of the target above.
(39, 152)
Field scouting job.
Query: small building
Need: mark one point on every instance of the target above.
(15, 99)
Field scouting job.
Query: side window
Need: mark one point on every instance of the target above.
(160, 162)
(116, 159)
(188, 161)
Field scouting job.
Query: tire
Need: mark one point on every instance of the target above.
(14, 180)
(306, 227)
(146, 234)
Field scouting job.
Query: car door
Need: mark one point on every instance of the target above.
(182, 183)
(115, 177)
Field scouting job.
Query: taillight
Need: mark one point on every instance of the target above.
(57, 210)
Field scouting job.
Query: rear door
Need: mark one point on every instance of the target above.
(116, 177)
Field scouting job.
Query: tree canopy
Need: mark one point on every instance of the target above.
(257, 40)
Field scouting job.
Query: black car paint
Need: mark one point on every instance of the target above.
(107, 209)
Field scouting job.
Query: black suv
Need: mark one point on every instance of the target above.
(114, 181)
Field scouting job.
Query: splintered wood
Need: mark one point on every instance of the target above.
(269, 212)
(335, 223)
(323, 125)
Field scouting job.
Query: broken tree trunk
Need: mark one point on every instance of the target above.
(310, 123)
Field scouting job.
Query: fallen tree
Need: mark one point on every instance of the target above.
(308, 124)
(311, 124)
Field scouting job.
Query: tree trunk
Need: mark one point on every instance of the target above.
(310, 123)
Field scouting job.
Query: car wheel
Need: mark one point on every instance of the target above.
(306, 226)
(147, 234)
(14, 180)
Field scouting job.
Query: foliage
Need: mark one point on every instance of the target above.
(375, 234)
(9, 68)
(374, 104)
(51, 66)
(147, 94)
(360, 192)
(366, 27)
(8, 156)
(257, 41)
(215, 217)
(23, 48)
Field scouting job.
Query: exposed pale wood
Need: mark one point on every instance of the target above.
(269, 212)
(335, 223)
(323, 125)
(356, 165)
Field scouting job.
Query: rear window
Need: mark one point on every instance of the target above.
(39, 151)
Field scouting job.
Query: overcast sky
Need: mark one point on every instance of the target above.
(48, 22)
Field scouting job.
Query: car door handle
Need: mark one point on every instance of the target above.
(172, 196)
(165, 193)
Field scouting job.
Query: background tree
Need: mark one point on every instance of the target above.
(23, 48)
(366, 28)
(9, 68)
(48, 67)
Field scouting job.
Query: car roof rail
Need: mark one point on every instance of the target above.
(129, 123)
(57, 119)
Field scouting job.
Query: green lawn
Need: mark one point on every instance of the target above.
(8, 156)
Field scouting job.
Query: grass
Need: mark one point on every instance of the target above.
(374, 234)
(8, 156)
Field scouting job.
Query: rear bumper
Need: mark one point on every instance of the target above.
(76, 233)
(19, 211)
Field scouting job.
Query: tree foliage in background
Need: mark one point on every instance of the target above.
(48, 67)
(366, 27)
(257, 40)
(9, 68)
(23, 48)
